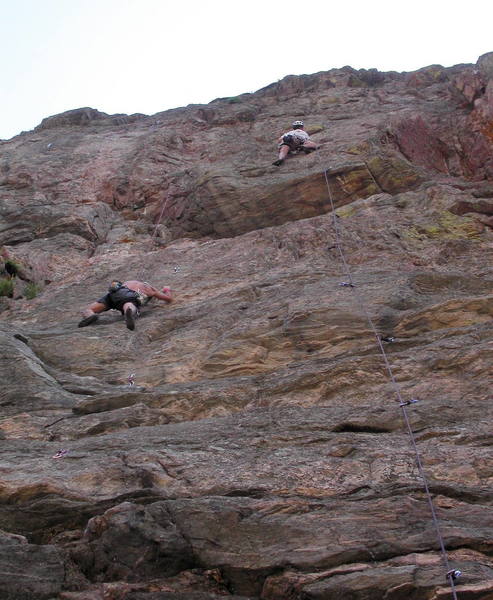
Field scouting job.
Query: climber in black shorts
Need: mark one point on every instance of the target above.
(127, 297)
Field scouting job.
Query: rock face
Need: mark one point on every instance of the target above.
(261, 453)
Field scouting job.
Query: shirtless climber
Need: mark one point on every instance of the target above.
(126, 297)
(294, 140)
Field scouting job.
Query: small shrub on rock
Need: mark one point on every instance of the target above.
(31, 290)
(6, 287)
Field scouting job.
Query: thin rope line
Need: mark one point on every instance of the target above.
(164, 204)
(133, 338)
(395, 385)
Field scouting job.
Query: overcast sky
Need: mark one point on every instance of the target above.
(128, 56)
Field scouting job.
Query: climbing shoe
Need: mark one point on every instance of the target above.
(278, 162)
(308, 150)
(88, 320)
(129, 319)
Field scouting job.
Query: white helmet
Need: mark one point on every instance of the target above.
(297, 124)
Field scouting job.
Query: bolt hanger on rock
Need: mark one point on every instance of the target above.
(60, 454)
(408, 402)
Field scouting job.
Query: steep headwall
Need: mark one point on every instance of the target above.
(261, 452)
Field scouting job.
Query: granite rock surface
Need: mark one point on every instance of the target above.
(261, 453)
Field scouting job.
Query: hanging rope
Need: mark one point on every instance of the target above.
(451, 574)
(164, 204)
(133, 338)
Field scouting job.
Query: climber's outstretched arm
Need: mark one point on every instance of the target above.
(164, 294)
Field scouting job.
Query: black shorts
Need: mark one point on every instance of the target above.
(292, 141)
(118, 299)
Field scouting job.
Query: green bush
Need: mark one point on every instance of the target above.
(31, 290)
(234, 100)
(6, 287)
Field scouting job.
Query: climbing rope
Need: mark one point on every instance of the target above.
(133, 338)
(164, 204)
(451, 574)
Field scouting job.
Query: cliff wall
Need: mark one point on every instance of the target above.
(261, 452)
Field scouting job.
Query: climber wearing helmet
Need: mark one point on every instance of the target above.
(294, 140)
(126, 297)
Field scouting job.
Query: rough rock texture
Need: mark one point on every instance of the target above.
(261, 453)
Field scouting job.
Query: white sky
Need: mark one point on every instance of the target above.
(127, 56)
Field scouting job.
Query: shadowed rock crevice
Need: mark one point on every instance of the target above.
(358, 428)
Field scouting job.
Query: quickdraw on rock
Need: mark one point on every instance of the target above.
(408, 402)
(60, 454)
